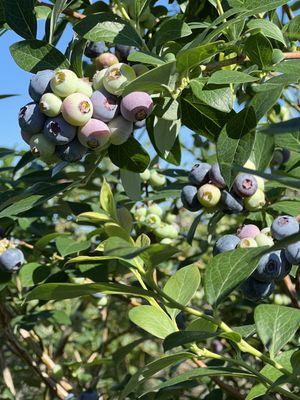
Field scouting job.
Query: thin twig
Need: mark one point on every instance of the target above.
(291, 291)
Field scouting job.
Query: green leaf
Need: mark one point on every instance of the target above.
(108, 28)
(20, 17)
(145, 58)
(276, 325)
(45, 240)
(107, 201)
(167, 108)
(35, 55)
(153, 320)
(267, 28)
(158, 253)
(182, 338)
(190, 58)
(259, 49)
(202, 325)
(58, 8)
(152, 368)
(235, 143)
(131, 182)
(288, 67)
(130, 156)
(76, 57)
(165, 133)
(154, 80)
(67, 246)
(262, 102)
(290, 207)
(263, 150)
(61, 291)
(94, 217)
(219, 98)
(139, 7)
(33, 273)
(226, 271)
(171, 29)
(292, 28)
(182, 286)
(193, 228)
(224, 77)
(257, 6)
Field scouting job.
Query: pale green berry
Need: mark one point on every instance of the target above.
(98, 79)
(117, 77)
(267, 231)
(155, 209)
(140, 214)
(260, 182)
(157, 179)
(41, 146)
(85, 87)
(209, 195)
(166, 231)
(166, 241)
(145, 176)
(140, 69)
(50, 104)
(249, 165)
(256, 201)
(77, 109)
(64, 83)
(247, 242)
(264, 240)
(153, 221)
(171, 218)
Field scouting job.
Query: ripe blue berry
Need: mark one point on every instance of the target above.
(189, 198)
(286, 266)
(230, 203)
(94, 49)
(11, 260)
(136, 106)
(248, 230)
(269, 267)
(226, 243)
(123, 51)
(245, 185)
(292, 253)
(71, 152)
(216, 177)
(199, 173)
(284, 226)
(59, 131)
(106, 105)
(31, 119)
(26, 136)
(40, 84)
(120, 129)
(94, 134)
(89, 395)
(255, 291)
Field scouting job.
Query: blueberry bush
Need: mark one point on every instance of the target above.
(149, 230)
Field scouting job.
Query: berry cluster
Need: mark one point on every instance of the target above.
(11, 258)
(154, 178)
(207, 188)
(162, 225)
(273, 266)
(70, 116)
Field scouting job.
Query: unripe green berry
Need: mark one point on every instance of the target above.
(247, 242)
(98, 79)
(145, 176)
(264, 240)
(166, 241)
(155, 209)
(117, 77)
(64, 83)
(140, 214)
(157, 179)
(171, 218)
(166, 231)
(153, 221)
(256, 201)
(50, 104)
(209, 195)
(84, 87)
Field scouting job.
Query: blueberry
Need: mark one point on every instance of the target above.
(98, 79)
(292, 253)
(247, 231)
(153, 220)
(225, 243)
(11, 260)
(95, 134)
(245, 185)
(120, 129)
(199, 173)
(145, 176)
(40, 84)
(264, 240)
(247, 243)
(136, 106)
(216, 177)
(286, 154)
(77, 109)
(164, 231)
(71, 152)
(117, 77)
(26, 136)
(255, 290)
(31, 119)
(209, 195)
(89, 395)
(256, 201)
(59, 131)
(50, 104)
(123, 51)
(189, 198)
(64, 83)
(94, 49)
(286, 266)
(155, 209)
(284, 226)
(157, 179)
(84, 86)
(230, 203)
(106, 60)
(269, 267)
(106, 106)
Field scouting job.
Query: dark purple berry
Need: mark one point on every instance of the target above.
(199, 174)
(269, 267)
(40, 84)
(71, 152)
(31, 119)
(94, 49)
(216, 177)
(189, 198)
(59, 131)
(231, 203)
(245, 185)
(255, 290)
